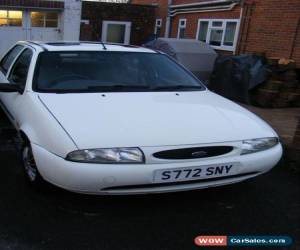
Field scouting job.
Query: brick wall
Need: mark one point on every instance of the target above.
(141, 16)
(32, 4)
(161, 11)
(270, 27)
(192, 20)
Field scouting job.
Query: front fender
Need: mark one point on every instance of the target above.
(42, 128)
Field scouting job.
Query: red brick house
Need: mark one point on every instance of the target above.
(233, 26)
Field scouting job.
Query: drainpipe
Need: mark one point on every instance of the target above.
(248, 6)
(168, 21)
(294, 39)
(240, 27)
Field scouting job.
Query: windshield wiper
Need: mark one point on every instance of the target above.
(177, 87)
(117, 87)
(123, 88)
(104, 88)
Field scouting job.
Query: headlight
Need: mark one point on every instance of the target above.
(107, 155)
(256, 145)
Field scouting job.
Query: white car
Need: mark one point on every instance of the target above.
(110, 119)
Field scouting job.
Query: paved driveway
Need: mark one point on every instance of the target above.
(55, 219)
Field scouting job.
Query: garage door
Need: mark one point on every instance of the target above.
(44, 26)
(16, 25)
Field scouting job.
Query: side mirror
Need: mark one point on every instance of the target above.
(7, 87)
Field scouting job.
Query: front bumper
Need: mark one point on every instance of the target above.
(138, 178)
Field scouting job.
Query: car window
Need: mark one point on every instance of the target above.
(9, 58)
(94, 71)
(18, 74)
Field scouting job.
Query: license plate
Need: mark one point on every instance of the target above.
(195, 173)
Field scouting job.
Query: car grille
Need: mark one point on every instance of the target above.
(193, 153)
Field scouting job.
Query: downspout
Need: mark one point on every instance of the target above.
(295, 38)
(247, 14)
(168, 21)
(236, 47)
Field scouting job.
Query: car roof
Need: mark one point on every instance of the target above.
(84, 46)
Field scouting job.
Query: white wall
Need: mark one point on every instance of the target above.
(71, 20)
(69, 25)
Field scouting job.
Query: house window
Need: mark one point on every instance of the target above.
(181, 28)
(44, 19)
(230, 33)
(219, 33)
(11, 18)
(203, 31)
(157, 30)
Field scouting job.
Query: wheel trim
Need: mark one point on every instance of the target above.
(29, 164)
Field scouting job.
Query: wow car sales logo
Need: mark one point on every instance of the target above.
(267, 241)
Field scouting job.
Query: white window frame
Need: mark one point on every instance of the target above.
(8, 18)
(223, 27)
(158, 24)
(44, 20)
(181, 26)
(127, 30)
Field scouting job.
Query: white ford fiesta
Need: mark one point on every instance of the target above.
(110, 119)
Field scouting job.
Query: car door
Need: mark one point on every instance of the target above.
(17, 74)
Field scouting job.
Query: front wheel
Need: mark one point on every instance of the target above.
(31, 171)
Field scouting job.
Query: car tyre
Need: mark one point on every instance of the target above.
(31, 171)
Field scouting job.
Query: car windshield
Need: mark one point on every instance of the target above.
(95, 71)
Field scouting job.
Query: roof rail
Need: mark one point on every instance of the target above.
(100, 42)
(38, 44)
(106, 43)
(62, 43)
